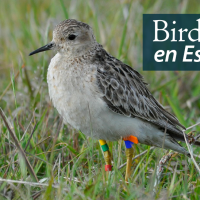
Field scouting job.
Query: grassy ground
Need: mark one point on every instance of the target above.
(66, 163)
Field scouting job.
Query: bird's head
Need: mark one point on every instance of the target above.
(70, 37)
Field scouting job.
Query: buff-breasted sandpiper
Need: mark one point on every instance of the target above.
(104, 98)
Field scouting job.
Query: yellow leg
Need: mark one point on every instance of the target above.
(129, 141)
(129, 156)
(107, 155)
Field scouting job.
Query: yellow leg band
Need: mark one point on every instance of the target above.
(102, 142)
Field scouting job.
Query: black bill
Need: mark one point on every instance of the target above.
(44, 48)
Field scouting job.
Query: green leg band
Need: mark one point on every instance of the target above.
(105, 147)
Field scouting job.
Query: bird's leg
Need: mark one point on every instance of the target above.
(129, 156)
(129, 141)
(107, 155)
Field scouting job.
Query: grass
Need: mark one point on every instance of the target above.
(67, 164)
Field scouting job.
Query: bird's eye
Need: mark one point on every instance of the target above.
(71, 37)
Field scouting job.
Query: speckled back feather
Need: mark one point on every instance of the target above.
(126, 93)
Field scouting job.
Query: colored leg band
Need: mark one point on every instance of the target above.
(131, 139)
(105, 147)
(102, 142)
(108, 168)
(128, 144)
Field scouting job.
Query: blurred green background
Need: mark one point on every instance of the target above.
(26, 25)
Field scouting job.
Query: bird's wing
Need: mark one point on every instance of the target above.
(125, 93)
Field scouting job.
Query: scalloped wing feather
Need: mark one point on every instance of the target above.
(125, 92)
